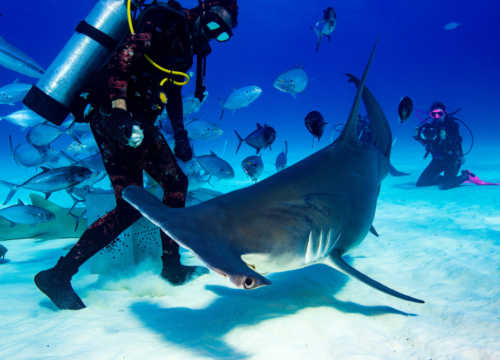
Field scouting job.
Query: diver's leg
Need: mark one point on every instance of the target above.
(159, 162)
(450, 179)
(56, 282)
(430, 175)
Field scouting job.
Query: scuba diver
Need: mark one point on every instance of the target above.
(365, 134)
(126, 102)
(442, 139)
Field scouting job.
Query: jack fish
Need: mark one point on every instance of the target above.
(292, 81)
(14, 59)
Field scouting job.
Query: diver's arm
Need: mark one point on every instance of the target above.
(120, 64)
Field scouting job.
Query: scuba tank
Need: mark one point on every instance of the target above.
(94, 40)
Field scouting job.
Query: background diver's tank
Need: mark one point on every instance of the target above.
(92, 43)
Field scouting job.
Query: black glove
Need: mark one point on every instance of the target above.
(119, 125)
(182, 150)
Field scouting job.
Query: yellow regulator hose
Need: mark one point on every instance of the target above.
(151, 61)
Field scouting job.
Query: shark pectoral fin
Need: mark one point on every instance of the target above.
(373, 231)
(335, 261)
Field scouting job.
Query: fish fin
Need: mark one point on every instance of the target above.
(75, 200)
(234, 89)
(212, 153)
(259, 126)
(240, 139)
(300, 66)
(319, 38)
(258, 150)
(396, 173)
(16, 81)
(328, 38)
(69, 158)
(221, 115)
(44, 169)
(12, 190)
(270, 148)
(286, 148)
(12, 224)
(72, 133)
(77, 218)
(294, 95)
(234, 111)
(11, 104)
(349, 136)
(20, 202)
(319, 22)
(336, 262)
(33, 225)
(373, 231)
(12, 152)
(47, 195)
(24, 128)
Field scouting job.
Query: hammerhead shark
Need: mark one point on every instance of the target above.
(313, 212)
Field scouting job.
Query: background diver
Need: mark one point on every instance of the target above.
(127, 93)
(442, 139)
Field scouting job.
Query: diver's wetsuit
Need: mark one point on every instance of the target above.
(446, 156)
(166, 39)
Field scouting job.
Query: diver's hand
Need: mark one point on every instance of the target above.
(119, 125)
(182, 150)
(442, 134)
(416, 132)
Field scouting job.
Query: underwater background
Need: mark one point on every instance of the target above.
(444, 243)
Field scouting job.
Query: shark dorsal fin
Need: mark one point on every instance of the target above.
(19, 202)
(259, 126)
(349, 134)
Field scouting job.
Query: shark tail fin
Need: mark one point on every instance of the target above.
(240, 140)
(335, 261)
(12, 190)
(349, 134)
(221, 115)
(78, 218)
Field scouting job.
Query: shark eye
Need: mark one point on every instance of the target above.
(249, 283)
(281, 81)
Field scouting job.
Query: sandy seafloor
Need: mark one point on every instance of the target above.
(439, 246)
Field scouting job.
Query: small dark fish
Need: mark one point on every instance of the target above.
(315, 123)
(259, 139)
(26, 214)
(405, 109)
(3, 251)
(253, 166)
(50, 180)
(281, 160)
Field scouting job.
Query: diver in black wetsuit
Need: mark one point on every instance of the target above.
(365, 134)
(442, 139)
(131, 93)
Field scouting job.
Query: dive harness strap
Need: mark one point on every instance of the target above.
(95, 34)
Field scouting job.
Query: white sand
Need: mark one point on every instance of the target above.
(439, 246)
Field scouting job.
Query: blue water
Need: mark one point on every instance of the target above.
(415, 57)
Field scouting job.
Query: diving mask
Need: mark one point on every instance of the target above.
(216, 28)
(437, 113)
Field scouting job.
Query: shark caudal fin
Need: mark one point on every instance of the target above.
(349, 136)
(379, 126)
(240, 140)
(336, 262)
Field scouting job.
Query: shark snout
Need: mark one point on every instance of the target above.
(249, 281)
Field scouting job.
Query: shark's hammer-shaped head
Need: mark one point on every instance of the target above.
(249, 280)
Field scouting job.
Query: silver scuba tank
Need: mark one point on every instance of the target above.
(95, 38)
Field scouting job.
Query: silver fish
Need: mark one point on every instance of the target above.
(292, 81)
(63, 226)
(253, 166)
(191, 104)
(203, 130)
(87, 144)
(24, 118)
(50, 180)
(281, 160)
(241, 98)
(26, 214)
(14, 59)
(29, 156)
(44, 134)
(215, 166)
(93, 162)
(15, 92)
